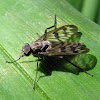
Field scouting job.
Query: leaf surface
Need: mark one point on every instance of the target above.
(20, 20)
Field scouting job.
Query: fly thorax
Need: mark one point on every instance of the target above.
(46, 45)
(40, 46)
(36, 45)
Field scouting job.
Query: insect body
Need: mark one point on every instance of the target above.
(58, 42)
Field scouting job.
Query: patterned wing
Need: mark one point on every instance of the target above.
(60, 48)
(61, 34)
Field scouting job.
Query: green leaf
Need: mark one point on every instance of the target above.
(90, 8)
(76, 3)
(20, 20)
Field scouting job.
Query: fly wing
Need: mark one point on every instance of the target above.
(61, 34)
(60, 48)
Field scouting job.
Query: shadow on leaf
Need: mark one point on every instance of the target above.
(85, 61)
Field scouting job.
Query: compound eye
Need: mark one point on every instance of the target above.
(26, 48)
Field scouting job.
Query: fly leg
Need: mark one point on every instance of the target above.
(36, 72)
(78, 67)
(55, 25)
